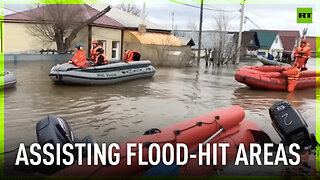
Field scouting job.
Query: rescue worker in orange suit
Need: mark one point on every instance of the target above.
(95, 47)
(79, 57)
(131, 55)
(302, 54)
(101, 59)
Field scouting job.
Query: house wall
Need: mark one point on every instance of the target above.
(276, 47)
(265, 51)
(108, 35)
(18, 39)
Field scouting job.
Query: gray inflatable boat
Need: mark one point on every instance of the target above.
(266, 61)
(101, 75)
(9, 79)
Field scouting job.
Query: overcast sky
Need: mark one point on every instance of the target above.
(264, 16)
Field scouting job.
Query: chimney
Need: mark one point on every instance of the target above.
(142, 28)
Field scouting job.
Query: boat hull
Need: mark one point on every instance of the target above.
(9, 80)
(266, 61)
(191, 133)
(101, 75)
(271, 78)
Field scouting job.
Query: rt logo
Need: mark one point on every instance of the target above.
(304, 15)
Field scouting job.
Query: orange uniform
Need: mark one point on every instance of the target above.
(94, 53)
(79, 58)
(302, 53)
(101, 59)
(293, 74)
(129, 55)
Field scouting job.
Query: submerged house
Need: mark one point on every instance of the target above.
(269, 42)
(155, 42)
(115, 31)
(209, 39)
(19, 39)
(249, 43)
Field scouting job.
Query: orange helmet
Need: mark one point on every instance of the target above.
(94, 41)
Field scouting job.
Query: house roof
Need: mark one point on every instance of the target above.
(31, 15)
(129, 20)
(266, 38)
(153, 38)
(209, 38)
(247, 36)
(312, 40)
(186, 41)
(288, 37)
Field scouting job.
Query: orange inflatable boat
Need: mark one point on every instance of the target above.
(234, 128)
(273, 78)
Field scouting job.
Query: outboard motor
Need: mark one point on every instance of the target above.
(54, 129)
(290, 125)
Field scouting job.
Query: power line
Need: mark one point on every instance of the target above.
(204, 8)
(246, 17)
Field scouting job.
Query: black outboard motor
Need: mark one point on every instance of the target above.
(290, 125)
(53, 129)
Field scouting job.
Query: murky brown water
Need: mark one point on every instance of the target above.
(123, 111)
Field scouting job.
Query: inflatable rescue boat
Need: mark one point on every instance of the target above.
(9, 80)
(272, 78)
(101, 75)
(216, 127)
(266, 61)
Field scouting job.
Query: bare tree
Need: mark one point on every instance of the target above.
(60, 23)
(224, 45)
(193, 25)
(129, 7)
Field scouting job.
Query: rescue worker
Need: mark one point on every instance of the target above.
(101, 59)
(79, 57)
(131, 55)
(95, 47)
(302, 54)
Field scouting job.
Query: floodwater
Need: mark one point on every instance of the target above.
(120, 112)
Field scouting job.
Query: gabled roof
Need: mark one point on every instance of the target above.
(288, 37)
(129, 20)
(186, 41)
(30, 15)
(266, 38)
(153, 38)
(247, 37)
(312, 40)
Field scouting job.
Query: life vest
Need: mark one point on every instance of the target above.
(292, 74)
(79, 59)
(94, 53)
(302, 54)
(131, 55)
(105, 60)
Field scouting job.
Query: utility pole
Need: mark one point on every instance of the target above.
(172, 23)
(240, 33)
(200, 31)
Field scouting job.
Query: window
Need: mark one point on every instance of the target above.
(115, 49)
(103, 44)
